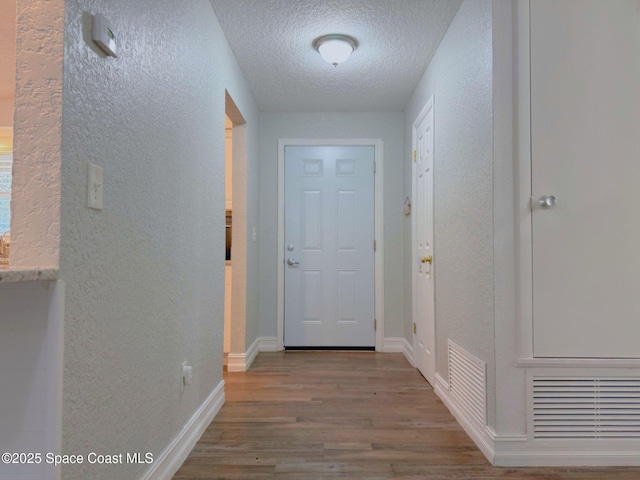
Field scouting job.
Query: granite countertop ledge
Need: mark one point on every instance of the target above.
(15, 275)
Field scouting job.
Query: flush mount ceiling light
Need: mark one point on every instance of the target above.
(335, 48)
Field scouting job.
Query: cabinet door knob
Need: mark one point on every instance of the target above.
(547, 201)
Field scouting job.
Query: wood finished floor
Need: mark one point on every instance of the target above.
(338, 415)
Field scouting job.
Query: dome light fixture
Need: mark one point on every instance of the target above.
(335, 48)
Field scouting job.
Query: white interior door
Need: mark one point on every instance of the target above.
(329, 249)
(585, 132)
(422, 227)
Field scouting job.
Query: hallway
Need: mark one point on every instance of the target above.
(311, 415)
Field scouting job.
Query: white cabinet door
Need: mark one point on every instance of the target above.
(585, 133)
(329, 256)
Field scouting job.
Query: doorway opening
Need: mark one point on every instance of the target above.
(228, 205)
(235, 237)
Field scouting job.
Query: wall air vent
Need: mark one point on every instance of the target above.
(586, 408)
(467, 382)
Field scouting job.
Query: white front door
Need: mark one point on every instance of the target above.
(329, 249)
(585, 134)
(422, 251)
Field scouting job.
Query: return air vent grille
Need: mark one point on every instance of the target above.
(586, 408)
(467, 382)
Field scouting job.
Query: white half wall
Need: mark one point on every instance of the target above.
(31, 375)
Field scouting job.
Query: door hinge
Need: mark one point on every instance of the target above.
(374, 167)
(375, 324)
(415, 330)
(374, 246)
(414, 155)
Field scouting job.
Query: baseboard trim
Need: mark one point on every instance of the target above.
(267, 344)
(237, 362)
(567, 459)
(170, 460)
(252, 352)
(240, 362)
(398, 345)
(407, 350)
(392, 345)
(520, 451)
(480, 435)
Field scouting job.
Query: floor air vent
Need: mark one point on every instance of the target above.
(577, 408)
(467, 382)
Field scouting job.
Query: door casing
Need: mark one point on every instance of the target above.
(379, 230)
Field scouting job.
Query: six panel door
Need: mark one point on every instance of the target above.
(329, 251)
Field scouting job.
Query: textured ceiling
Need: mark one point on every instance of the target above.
(272, 39)
(7, 47)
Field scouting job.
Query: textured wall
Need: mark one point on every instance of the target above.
(460, 76)
(35, 205)
(144, 276)
(388, 127)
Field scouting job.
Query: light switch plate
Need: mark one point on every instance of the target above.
(95, 187)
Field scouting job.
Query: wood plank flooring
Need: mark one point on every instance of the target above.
(338, 415)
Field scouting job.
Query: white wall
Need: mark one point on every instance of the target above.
(30, 368)
(460, 78)
(510, 407)
(389, 127)
(145, 276)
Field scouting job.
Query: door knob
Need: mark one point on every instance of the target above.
(428, 259)
(547, 201)
(291, 262)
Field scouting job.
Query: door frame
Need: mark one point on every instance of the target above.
(378, 230)
(427, 109)
(523, 228)
(236, 360)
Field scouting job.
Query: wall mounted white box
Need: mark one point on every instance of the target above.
(103, 34)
